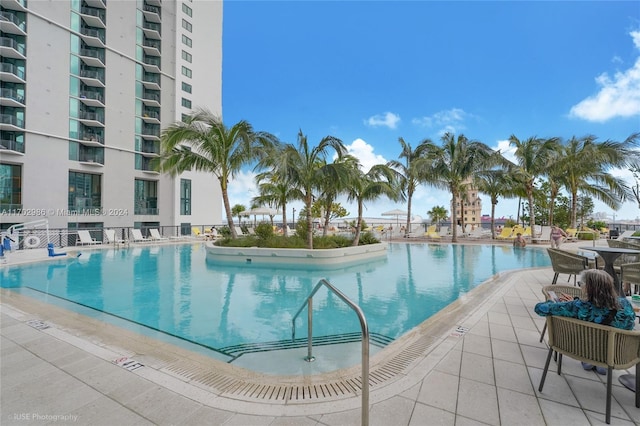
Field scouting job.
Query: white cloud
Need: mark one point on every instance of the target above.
(619, 96)
(506, 149)
(388, 119)
(364, 152)
(242, 189)
(449, 120)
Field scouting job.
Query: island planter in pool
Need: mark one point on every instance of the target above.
(320, 258)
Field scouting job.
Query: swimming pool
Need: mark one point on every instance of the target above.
(238, 309)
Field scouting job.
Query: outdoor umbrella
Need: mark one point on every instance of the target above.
(397, 213)
(264, 211)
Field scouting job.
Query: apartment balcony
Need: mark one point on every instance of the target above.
(92, 99)
(146, 211)
(91, 157)
(151, 81)
(11, 122)
(11, 24)
(152, 13)
(11, 146)
(152, 64)
(151, 99)
(151, 117)
(20, 5)
(150, 149)
(11, 73)
(10, 48)
(151, 47)
(89, 138)
(92, 78)
(101, 4)
(91, 119)
(92, 37)
(152, 30)
(151, 132)
(11, 98)
(93, 57)
(93, 17)
(154, 2)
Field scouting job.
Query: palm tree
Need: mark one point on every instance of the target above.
(411, 171)
(452, 165)
(438, 214)
(495, 183)
(275, 192)
(533, 157)
(585, 164)
(305, 168)
(378, 181)
(237, 210)
(329, 190)
(203, 143)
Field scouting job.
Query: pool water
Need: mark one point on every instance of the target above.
(174, 289)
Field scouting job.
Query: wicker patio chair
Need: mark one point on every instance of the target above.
(596, 344)
(564, 262)
(571, 290)
(630, 273)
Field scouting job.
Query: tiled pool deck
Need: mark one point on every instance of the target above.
(65, 374)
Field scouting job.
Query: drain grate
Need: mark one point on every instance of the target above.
(38, 324)
(248, 389)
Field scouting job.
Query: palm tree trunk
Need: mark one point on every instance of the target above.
(356, 238)
(309, 202)
(227, 209)
(574, 208)
(454, 215)
(493, 218)
(532, 217)
(284, 220)
(408, 227)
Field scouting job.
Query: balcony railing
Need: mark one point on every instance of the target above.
(152, 9)
(156, 44)
(92, 11)
(11, 94)
(92, 137)
(91, 157)
(93, 116)
(151, 130)
(12, 145)
(151, 78)
(12, 69)
(12, 120)
(92, 74)
(90, 32)
(152, 26)
(12, 17)
(151, 148)
(151, 96)
(152, 60)
(146, 211)
(85, 94)
(151, 114)
(93, 53)
(12, 44)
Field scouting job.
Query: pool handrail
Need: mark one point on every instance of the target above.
(365, 339)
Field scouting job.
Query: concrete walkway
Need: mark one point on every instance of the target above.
(484, 370)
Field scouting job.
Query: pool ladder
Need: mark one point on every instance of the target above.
(365, 339)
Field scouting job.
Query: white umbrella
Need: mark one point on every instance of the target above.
(260, 211)
(397, 213)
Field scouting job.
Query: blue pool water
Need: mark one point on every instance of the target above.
(176, 290)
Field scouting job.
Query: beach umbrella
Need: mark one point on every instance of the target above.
(397, 213)
(264, 211)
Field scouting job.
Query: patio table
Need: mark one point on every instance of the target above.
(610, 254)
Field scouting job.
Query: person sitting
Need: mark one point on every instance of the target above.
(599, 304)
(519, 241)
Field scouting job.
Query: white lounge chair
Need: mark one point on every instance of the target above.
(110, 237)
(137, 237)
(155, 235)
(239, 232)
(625, 234)
(86, 239)
(444, 231)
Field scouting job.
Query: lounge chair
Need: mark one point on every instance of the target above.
(480, 232)
(86, 239)
(625, 234)
(155, 235)
(110, 237)
(414, 232)
(564, 262)
(431, 233)
(444, 231)
(137, 237)
(239, 232)
(596, 344)
(505, 233)
(572, 234)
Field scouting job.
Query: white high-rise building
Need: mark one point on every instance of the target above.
(86, 88)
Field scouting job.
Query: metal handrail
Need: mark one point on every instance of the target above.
(365, 339)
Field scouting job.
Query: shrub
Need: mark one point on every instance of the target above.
(224, 231)
(264, 231)
(368, 238)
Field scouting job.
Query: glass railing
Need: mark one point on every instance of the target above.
(90, 32)
(11, 94)
(12, 120)
(92, 53)
(151, 114)
(92, 95)
(11, 43)
(152, 60)
(93, 116)
(151, 96)
(12, 144)
(151, 130)
(92, 11)
(151, 148)
(152, 26)
(92, 157)
(92, 74)
(152, 9)
(151, 78)
(146, 211)
(12, 69)
(92, 137)
(12, 17)
(152, 43)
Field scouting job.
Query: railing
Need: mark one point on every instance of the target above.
(93, 11)
(90, 32)
(11, 94)
(92, 74)
(12, 17)
(86, 94)
(12, 69)
(12, 120)
(92, 53)
(12, 145)
(365, 339)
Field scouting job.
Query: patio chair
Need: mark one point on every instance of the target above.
(625, 234)
(110, 237)
(86, 239)
(505, 233)
(558, 289)
(137, 237)
(564, 262)
(431, 233)
(155, 235)
(630, 274)
(595, 344)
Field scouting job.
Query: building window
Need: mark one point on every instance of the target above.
(186, 103)
(186, 9)
(187, 56)
(184, 118)
(85, 192)
(186, 87)
(10, 186)
(186, 40)
(185, 196)
(186, 72)
(146, 197)
(186, 25)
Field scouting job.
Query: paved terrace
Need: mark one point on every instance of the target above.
(59, 367)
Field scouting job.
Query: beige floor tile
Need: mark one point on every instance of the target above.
(451, 363)
(426, 415)
(506, 351)
(440, 390)
(592, 395)
(396, 410)
(518, 408)
(513, 376)
(163, 406)
(478, 401)
(479, 345)
(558, 414)
(213, 416)
(478, 368)
(499, 318)
(555, 387)
(503, 332)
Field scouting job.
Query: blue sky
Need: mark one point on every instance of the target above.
(369, 72)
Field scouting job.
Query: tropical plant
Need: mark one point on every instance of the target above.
(411, 172)
(276, 191)
(380, 180)
(202, 142)
(453, 164)
(495, 183)
(533, 156)
(237, 210)
(437, 214)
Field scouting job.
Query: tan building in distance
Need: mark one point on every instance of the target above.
(471, 211)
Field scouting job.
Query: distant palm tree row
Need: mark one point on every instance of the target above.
(300, 172)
